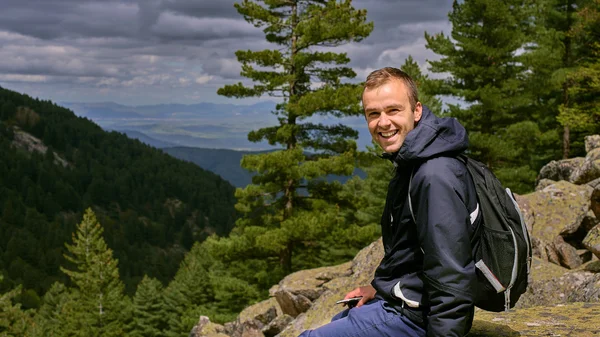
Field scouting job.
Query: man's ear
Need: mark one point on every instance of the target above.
(418, 111)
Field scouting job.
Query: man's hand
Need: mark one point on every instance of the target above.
(367, 293)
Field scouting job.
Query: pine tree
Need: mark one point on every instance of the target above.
(148, 309)
(425, 86)
(278, 218)
(582, 111)
(14, 322)
(51, 316)
(550, 57)
(486, 72)
(190, 288)
(98, 303)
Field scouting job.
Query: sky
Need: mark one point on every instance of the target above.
(138, 52)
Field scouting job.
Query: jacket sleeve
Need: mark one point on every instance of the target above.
(439, 199)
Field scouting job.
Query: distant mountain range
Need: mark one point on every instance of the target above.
(203, 125)
(224, 162)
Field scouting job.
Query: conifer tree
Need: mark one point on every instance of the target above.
(582, 111)
(51, 316)
(148, 309)
(481, 56)
(98, 303)
(14, 322)
(190, 288)
(550, 57)
(425, 86)
(277, 217)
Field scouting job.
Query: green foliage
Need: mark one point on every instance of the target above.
(424, 85)
(148, 310)
(149, 203)
(486, 72)
(290, 209)
(52, 315)
(97, 305)
(582, 112)
(14, 322)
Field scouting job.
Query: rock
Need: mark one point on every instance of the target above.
(560, 170)
(576, 319)
(543, 183)
(205, 328)
(589, 170)
(544, 251)
(585, 255)
(592, 267)
(277, 325)
(527, 211)
(589, 221)
(592, 142)
(592, 241)
(595, 200)
(573, 286)
(249, 328)
(264, 311)
(291, 304)
(558, 209)
(296, 291)
(308, 283)
(567, 254)
(324, 307)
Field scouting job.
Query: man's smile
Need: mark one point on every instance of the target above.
(388, 134)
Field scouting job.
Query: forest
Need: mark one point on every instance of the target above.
(104, 236)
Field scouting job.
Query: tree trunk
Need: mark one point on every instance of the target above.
(566, 142)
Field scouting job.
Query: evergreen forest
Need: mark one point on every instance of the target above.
(101, 235)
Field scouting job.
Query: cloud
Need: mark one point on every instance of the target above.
(172, 50)
(174, 27)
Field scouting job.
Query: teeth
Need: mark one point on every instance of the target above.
(388, 134)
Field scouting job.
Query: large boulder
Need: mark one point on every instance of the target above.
(592, 241)
(592, 142)
(323, 308)
(558, 209)
(296, 291)
(595, 201)
(550, 285)
(560, 169)
(264, 311)
(206, 328)
(589, 170)
(576, 319)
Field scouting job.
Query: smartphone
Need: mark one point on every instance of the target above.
(350, 302)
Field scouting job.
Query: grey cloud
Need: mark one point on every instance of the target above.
(173, 49)
(203, 9)
(177, 27)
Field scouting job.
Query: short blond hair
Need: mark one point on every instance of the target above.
(382, 76)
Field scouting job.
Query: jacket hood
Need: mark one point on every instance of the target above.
(432, 137)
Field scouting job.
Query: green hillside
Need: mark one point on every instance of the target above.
(54, 165)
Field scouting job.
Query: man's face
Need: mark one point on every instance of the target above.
(388, 114)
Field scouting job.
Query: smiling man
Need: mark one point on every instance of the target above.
(424, 285)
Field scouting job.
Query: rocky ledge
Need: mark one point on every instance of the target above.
(563, 298)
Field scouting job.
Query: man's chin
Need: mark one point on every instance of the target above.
(390, 148)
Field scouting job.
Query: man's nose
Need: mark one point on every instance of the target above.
(383, 120)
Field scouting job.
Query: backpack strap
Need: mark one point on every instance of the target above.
(472, 216)
(412, 213)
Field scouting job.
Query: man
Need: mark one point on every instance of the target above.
(425, 283)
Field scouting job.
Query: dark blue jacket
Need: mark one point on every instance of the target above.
(429, 265)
